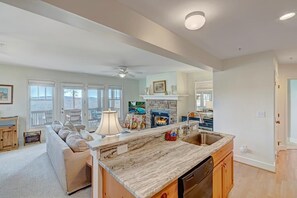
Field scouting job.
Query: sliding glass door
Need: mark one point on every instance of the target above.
(72, 104)
(95, 106)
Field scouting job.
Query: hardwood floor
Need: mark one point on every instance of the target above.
(251, 182)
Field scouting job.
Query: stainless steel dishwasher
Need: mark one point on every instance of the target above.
(197, 183)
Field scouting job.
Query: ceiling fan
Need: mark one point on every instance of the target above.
(123, 72)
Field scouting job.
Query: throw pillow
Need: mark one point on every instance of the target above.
(76, 143)
(86, 135)
(79, 127)
(56, 126)
(70, 125)
(63, 133)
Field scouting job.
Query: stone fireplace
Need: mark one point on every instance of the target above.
(159, 117)
(157, 109)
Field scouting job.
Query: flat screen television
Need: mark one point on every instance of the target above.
(137, 107)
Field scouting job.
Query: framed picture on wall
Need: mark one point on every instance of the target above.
(6, 94)
(159, 86)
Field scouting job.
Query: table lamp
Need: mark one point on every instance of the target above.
(109, 125)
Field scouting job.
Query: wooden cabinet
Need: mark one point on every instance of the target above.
(223, 172)
(112, 189)
(8, 134)
(218, 181)
(171, 191)
(227, 174)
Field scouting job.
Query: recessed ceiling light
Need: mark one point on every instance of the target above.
(195, 20)
(287, 16)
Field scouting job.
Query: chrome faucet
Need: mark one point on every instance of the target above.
(188, 122)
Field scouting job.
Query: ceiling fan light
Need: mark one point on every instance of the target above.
(195, 20)
(122, 75)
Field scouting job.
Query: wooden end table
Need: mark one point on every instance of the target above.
(32, 136)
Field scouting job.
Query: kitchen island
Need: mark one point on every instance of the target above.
(143, 164)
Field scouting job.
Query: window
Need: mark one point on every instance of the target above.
(95, 106)
(203, 95)
(73, 104)
(115, 99)
(41, 103)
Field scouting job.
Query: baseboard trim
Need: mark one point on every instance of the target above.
(255, 163)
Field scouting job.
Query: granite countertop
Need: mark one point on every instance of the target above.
(150, 168)
(100, 143)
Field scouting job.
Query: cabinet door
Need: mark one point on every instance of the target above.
(7, 136)
(227, 174)
(171, 191)
(15, 137)
(1, 139)
(218, 181)
(112, 189)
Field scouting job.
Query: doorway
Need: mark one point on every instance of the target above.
(292, 112)
(72, 104)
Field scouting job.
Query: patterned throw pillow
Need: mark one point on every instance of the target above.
(56, 126)
(63, 133)
(86, 135)
(76, 143)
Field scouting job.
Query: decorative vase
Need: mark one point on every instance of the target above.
(173, 89)
(147, 91)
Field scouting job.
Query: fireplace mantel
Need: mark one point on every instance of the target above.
(163, 97)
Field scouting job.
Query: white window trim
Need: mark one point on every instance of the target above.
(28, 109)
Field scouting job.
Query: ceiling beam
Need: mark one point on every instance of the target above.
(124, 25)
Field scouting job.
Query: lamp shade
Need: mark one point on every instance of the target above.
(109, 124)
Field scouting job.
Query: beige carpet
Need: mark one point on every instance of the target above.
(28, 173)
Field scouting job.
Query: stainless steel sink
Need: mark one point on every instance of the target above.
(202, 138)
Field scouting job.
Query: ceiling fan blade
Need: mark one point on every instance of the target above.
(131, 75)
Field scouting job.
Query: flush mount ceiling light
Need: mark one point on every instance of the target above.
(195, 20)
(287, 16)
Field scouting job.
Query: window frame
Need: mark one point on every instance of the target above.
(121, 113)
(203, 87)
(97, 87)
(29, 99)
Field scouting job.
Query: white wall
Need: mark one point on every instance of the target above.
(19, 76)
(293, 110)
(170, 78)
(142, 87)
(193, 77)
(244, 89)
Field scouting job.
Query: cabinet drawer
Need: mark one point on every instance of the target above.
(168, 192)
(222, 153)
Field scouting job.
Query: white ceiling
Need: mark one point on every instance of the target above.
(32, 40)
(251, 25)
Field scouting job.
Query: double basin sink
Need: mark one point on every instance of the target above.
(202, 138)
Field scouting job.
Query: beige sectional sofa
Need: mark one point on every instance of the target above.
(70, 167)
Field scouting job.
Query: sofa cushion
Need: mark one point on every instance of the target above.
(63, 133)
(86, 135)
(75, 142)
(56, 126)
